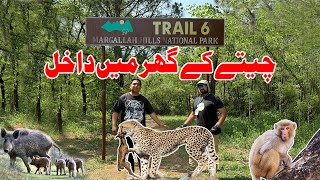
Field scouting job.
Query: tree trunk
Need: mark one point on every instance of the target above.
(38, 108)
(213, 81)
(224, 90)
(38, 105)
(118, 54)
(59, 120)
(84, 95)
(3, 92)
(53, 94)
(15, 95)
(306, 164)
(117, 49)
(15, 85)
(188, 102)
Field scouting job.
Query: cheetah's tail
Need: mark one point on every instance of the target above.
(212, 151)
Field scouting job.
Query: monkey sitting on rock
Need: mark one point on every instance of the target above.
(269, 152)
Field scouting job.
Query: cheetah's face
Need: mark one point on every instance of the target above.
(126, 128)
(124, 131)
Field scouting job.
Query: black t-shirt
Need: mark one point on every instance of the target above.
(207, 110)
(133, 107)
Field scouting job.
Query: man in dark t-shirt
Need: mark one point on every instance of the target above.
(205, 109)
(133, 105)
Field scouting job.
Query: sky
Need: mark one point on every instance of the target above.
(185, 4)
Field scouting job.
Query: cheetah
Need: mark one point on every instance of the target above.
(148, 143)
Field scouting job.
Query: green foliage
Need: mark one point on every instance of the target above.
(30, 31)
(283, 30)
(172, 97)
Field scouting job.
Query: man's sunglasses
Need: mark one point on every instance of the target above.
(202, 86)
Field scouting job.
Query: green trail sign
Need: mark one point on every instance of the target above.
(155, 31)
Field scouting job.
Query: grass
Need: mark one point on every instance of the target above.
(82, 138)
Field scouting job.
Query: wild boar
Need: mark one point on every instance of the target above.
(79, 165)
(61, 165)
(26, 143)
(71, 167)
(40, 162)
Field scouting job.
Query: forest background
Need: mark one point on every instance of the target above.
(70, 106)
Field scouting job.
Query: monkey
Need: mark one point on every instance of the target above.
(269, 152)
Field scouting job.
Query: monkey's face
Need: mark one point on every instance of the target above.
(285, 133)
(285, 129)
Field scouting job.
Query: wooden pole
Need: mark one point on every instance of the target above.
(215, 64)
(207, 75)
(103, 104)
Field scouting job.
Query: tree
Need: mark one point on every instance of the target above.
(32, 30)
(283, 30)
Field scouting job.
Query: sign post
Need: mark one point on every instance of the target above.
(103, 106)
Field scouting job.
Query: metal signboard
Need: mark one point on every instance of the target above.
(155, 31)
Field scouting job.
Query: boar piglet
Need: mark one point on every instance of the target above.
(71, 167)
(61, 165)
(79, 165)
(40, 162)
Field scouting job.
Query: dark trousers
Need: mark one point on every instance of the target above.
(130, 157)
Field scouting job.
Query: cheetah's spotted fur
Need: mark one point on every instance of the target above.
(148, 143)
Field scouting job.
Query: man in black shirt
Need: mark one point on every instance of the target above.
(133, 105)
(205, 110)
